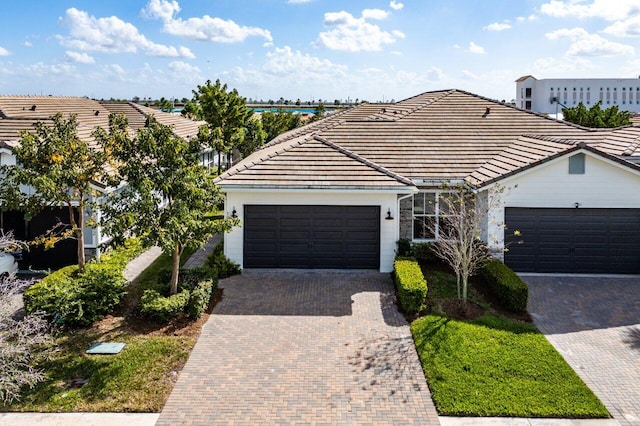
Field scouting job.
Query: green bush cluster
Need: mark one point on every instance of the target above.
(422, 252)
(77, 299)
(221, 264)
(411, 285)
(505, 284)
(197, 283)
(80, 299)
(157, 307)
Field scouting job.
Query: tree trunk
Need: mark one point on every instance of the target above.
(458, 286)
(219, 164)
(175, 269)
(78, 232)
(465, 282)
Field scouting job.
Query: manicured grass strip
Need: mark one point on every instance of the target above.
(138, 379)
(498, 367)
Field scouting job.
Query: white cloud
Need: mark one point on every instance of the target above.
(626, 28)
(377, 14)
(81, 57)
(610, 10)
(356, 34)
(298, 1)
(457, 46)
(181, 67)
(112, 35)
(497, 26)
(474, 48)
(206, 28)
(554, 66)
(286, 62)
(27, 44)
(573, 33)
(4, 52)
(396, 5)
(585, 44)
(468, 75)
(40, 69)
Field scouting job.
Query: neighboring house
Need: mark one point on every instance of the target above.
(550, 95)
(18, 113)
(340, 192)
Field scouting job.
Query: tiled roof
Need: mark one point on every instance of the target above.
(441, 135)
(311, 162)
(624, 142)
(22, 112)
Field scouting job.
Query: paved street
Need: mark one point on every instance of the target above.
(594, 322)
(303, 347)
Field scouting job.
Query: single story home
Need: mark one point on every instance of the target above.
(339, 192)
(19, 113)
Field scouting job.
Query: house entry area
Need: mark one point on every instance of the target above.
(311, 236)
(578, 240)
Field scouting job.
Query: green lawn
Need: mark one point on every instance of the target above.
(139, 379)
(495, 366)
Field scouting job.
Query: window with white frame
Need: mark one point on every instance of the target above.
(427, 215)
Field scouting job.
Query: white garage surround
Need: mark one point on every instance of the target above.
(605, 184)
(386, 200)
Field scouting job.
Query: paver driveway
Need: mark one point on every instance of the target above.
(594, 322)
(303, 347)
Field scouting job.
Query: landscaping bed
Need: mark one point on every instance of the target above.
(139, 379)
(481, 359)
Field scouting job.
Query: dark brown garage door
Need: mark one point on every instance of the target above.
(574, 240)
(331, 237)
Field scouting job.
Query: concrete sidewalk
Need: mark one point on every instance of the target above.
(78, 419)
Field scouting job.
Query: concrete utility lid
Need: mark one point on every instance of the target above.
(105, 348)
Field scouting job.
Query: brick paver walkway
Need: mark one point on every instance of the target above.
(197, 259)
(594, 322)
(303, 347)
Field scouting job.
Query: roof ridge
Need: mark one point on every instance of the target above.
(364, 161)
(552, 139)
(384, 115)
(633, 146)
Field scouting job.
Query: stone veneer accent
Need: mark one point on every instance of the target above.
(406, 218)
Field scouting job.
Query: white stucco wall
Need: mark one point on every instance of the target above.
(233, 242)
(605, 184)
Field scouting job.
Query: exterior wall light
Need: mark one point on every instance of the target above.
(389, 217)
(234, 213)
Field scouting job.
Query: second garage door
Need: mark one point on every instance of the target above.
(331, 237)
(574, 240)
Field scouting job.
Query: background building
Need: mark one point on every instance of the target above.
(551, 95)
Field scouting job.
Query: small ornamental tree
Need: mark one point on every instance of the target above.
(275, 123)
(23, 341)
(165, 191)
(62, 169)
(461, 216)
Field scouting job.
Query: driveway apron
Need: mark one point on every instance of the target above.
(303, 347)
(594, 322)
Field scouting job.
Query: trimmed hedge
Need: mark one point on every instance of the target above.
(512, 292)
(199, 298)
(157, 307)
(411, 285)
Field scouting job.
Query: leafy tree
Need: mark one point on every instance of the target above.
(167, 192)
(62, 169)
(192, 110)
(254, 137)
(226, 114)
(275, 123)
(596, 117)
(319, 112)
(23, 341)
(165, 105)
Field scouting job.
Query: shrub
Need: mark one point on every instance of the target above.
(79, 299)
(411, 285)
(505, 284)
(221, 264)
(157, 307)
(404, 247)
(200, 298)
(423, 252)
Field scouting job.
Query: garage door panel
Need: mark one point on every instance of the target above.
(574, 240)
(314, 236)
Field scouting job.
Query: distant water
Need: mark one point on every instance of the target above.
(293, 110)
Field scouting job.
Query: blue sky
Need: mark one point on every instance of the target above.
(310, 49)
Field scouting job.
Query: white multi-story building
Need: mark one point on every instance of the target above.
(552, 94)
